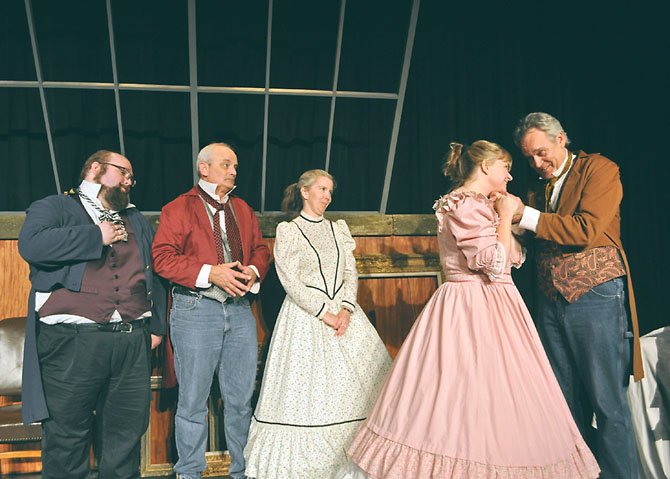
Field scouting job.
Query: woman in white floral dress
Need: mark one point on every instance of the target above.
(326, 362)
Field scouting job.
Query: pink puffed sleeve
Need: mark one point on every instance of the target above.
(473, 222)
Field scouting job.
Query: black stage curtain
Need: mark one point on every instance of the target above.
(600, 68)
(477, 67)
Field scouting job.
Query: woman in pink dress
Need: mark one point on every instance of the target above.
(471, 392)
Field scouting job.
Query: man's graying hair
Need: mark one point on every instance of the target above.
(204, 156)
(541, 121)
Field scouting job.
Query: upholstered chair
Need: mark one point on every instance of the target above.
(12, 429)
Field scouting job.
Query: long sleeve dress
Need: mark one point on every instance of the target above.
(471, 393)
(317, 388)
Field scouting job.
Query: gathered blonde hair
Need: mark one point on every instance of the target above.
(462, 161)
(292, 201)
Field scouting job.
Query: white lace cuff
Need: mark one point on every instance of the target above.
(497, 268)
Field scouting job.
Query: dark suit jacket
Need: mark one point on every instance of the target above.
(587, 217)
(57, 240)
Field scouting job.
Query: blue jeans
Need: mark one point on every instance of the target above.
(588, 345)
(210, 338)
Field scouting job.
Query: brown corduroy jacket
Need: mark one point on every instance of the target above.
(587, 217)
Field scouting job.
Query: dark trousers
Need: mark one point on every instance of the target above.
(85, 371)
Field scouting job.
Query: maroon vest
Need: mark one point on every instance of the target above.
(116, 281)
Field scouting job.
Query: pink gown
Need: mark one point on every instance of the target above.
(471, 392)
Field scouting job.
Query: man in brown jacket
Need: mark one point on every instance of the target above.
(583, 276)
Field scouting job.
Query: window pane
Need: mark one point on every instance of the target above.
(361, 136)
(232, 53)
(238, 121)
(304, 40)
(15, 50)
(373, 45)
(157, 135)
(24, 152)
(82, 122)
(151, 39)
(73, 40)
(297, 138)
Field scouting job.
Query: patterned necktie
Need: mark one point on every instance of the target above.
(232, 231)
(549, 187)
(105, 215)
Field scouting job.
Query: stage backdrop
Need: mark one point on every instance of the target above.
(372, 90)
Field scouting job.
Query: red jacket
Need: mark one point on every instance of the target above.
(185, 242)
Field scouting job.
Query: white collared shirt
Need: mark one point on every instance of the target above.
(202, 281)
(92, 190)
(531, 216)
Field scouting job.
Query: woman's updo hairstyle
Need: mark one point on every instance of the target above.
(292, 201)
(462, 161)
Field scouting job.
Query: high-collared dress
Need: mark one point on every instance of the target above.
(471, 393)
(317, 387)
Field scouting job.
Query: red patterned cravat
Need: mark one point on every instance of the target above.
(232, 231)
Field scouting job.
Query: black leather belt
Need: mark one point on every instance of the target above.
(197, 294)
(185, 291)
(116, 327)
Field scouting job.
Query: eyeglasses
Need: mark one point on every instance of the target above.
(124, 171)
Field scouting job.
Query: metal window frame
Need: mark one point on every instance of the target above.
(115, 76)
(193, 85)
(194, 89)
(336, 76)
(407, 60)
(40, 87)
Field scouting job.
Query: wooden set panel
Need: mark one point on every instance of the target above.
(398, 274)
(14, 282)
(15, 285)
(393, 303)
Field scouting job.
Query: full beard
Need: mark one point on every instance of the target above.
(116, 198)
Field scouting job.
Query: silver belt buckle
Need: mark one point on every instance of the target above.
(130, 330)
